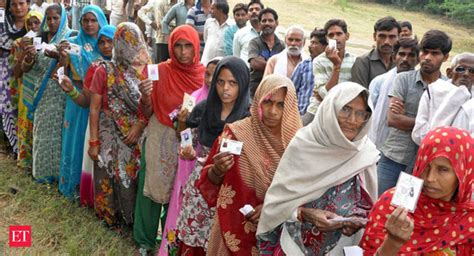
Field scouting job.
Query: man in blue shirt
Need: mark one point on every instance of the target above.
(303, 77)
(240, 16)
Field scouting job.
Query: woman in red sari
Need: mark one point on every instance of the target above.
(230, 181)
(443, 221)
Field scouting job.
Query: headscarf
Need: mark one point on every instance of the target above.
(32, 94)
(89, 50)
(128, 43)
(211, 124)
(107, 31)
(438, 224)
(249, 178)
(318, 158)
(9, 33)
(30, 14)
(261, 146)
(176, 78)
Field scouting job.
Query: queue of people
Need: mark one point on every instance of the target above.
(312, 138)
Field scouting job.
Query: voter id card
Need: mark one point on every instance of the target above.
(231, 146)
(407, 191)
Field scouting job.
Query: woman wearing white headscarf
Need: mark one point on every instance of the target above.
(328, 171)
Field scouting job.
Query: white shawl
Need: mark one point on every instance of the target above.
(319, 157)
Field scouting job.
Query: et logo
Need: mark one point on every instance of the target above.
(20, 236)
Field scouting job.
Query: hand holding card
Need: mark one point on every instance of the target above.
(407, 191)
(186, 138)
(74, 49)
(246, 210)
(231, 146)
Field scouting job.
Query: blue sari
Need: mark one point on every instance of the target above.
(75, 116)
(45, 100)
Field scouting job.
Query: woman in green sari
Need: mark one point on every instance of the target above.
(43, 96)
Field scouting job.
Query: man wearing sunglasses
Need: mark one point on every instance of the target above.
(399, 150)
(442, 100)
(459, 104)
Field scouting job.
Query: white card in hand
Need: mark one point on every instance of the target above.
(231, 146)
(74, 49)
(189, 102)
(246, 209)
(60, 73)
(340, 219)
(37, 43)
(407, 191)
(49, 47)
(153, 74)
(332, 43)
(31, 34)
(353, 251)
(2, 15)
(186, 138)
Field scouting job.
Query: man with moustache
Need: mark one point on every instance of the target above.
(406, 58)
(263, 47)
(399, 150)
(332, 67)
(303, 77)
(240, 43)
(241, 17)
(286, 61)
(378, 60)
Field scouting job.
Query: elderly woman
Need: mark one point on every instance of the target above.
(43, 96)
(11, 29)
(229, 182)
(24, 125)
(75, 116)
(328, 170)
(442, 223)
(182, 73)
(116, 128)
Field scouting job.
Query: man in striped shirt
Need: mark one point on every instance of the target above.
(333, 66)
(197, 17)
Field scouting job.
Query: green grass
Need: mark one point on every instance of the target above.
(59, 226)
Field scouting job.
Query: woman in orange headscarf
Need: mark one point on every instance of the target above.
(182, 73)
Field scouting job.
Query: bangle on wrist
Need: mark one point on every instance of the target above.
(74, 94)
(29, 63)
(94, 143)
(299, 214)
(213, 170)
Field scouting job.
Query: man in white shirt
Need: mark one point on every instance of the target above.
(457, 108)
(39, 6)
(243, 36)
(285, 62)
(214, 31)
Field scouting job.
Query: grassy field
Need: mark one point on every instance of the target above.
(59, 226)
(63, 227)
